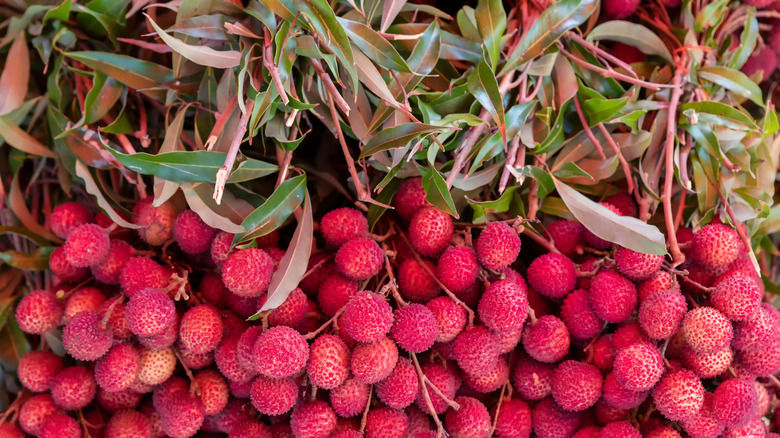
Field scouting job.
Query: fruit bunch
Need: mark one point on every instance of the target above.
(429, 329)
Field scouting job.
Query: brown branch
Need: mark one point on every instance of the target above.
(603, 53)
(230, 159)
(330, 86)
(623, 162)
(671, 126)
(611, 73)
(273, 70)
(586, 127)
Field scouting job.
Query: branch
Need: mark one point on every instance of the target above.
(671, 125)
(611, 73)
(230, 159)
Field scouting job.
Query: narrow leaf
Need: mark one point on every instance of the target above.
(373, 45)
(19, 208)
(491, 22)
(15, 76)
(632, 34)
(734, 81)
(436, 191)
(19, 139)
(483, 86)
(396, 136)
(138, 74)
(93, 189)
(372, 79)
(202, 55)
(390, 10)
(274, 211)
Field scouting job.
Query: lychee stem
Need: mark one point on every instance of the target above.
(378, 238)
(392, 285)
(532, 315)
(773, 380)
(110, 310)
(427, 398)
(86, 424)
(327, 323)
(498, 409)
(586, 128)
(315, 267)
(14, 407)
(364, 418)
(194, 388)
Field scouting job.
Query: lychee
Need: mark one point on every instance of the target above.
(551, 421)
(491, 381)
(472, 420)
(504, 306)
(67, 217)
(149, 312)
(566, 236)
(457, 268)
(156, 222)
(703, 424)
(213, 391)
(273, 396)
(220, 247)
(118, 400)
(280, 352)
(60, 426)
(716, 246)
(110, 269)
(612, 296)
(386, 422)
(514, 420)
(359, 259)
(546, 340)
(552, 275)
(247, 272)
(367, 317)
(445, 380)
(334, 293)
(498, 246)
(637, 266)
(679, 395)
(576, 385)
(707, 330)
(85, 337)
(201, 328)
(373, 362)
(410, 198)
(314, 419)
(328, 365)
(291, 312)
(192, 234)
(450, 316)
(183, 416)
(619, 429)
(119, 368)
(162, 340)
(38, 312)
(349, 399)
(73, 388)
(627, 334)
(401, 387)
(638, 367)
(761, 363)
(156, 366)
(659, 281)
(141, 273)
(414, 281)
(251, 429)
(620, 9)
(580, 319)
(86, 298)
(415, 328)
(762, 60)
(87, 245)
(61, 267)
(738, 297)
(35, 411)
(661, 313)
(735, 403)
(342, 225)
(756, 333)
(477, 350)
(619, 397)
(533, 379)
(430, 231)
(128, 424)
(117, 320)
(37, 369)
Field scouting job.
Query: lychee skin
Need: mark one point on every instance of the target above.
(514, 420)
(87, 245)
(118, 369)
(738, 297)
(661, 313)
(430, 231)
(451, 318)
(280, 352)
(619, 397)
(128, 424)
(735, 403)
(445, 380)
(458, 268)
(163, 340)
(707, 366)
(367, 317)
(658, 282)
(763, 60)
(349, 399)
(756, 333)
(86, 298)
(476, 350)
(553, 275)
(504, 306)
(67, 217)
(679, 395)
(606, 413)
(109, 270)
(566, 235)
(227, 358)
(156, 222)
(620, 9)
(156, 366)
(716, 246)
(371, 363)
(576, 385)
(84, 338)
(533, 379)
(334, 293)
(472, 420)
(637, 266)
(220, 247)
(342, 225)
(314, 419)
(149, 312)
(706, 330)
(115, 401)
(498, 246)
(386, 423)
(292, 311)
(73, 388)
(410, 198)
(192, 234)
(37, 369)
(547, 340)
(551, 421)
(38, 312)
(60, 426)
(415, 283)
(61, 267)
(35, 411)
(761, 363)
(638, 367)
(579, 317)
(612, 296)
(328, 365)
(401, 387)
(184, 416)
(491, 381)
(118, 318)
(755, 428)
(359, 259)
(141, 273)
(247, 272)
(415, 328)
(703, 424)
(619, 429)
(273, 396)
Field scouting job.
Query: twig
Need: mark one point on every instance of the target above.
(623, 162)
(595, 49)
(742, 234)
(511, 159)
(330, 86)
(586, 127)
(427, 397)
(312, 335)
(220, 123)
(671, 124)
(230, 159)
(549, 246)
(611, 73)
(365, 411)
(273, 70)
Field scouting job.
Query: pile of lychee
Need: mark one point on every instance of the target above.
(433, 328)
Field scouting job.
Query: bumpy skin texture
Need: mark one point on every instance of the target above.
(553, 275)
(60, 426)
(349, 399)
(401, 387)
(637, 266)
(735, 403)
(192, 234)
(87, 245)
(472, 420)
(503, 307)
(73, 388)
(157, 222)
(342, 225)
(280, 352)
(109, 270)
(660, 314)
(38, 312)
(201, 329)
(755, 333)
(247, 272)
(410, 198)
(141, 273)
(386, 423)
(679, 395)
(446, 380)
(761, 363)
(619, 397)
(334, 294)
(220, 247)
(67, 217)
(706, 330)
(458, 268)
(547, 340)
(551, 421)
(619, 429)
(156, 366)
(86, 298)
(84, 338)
(183, 417)
(359, 259)
(367, 317)
(514, 420)
(658, 282)
(373, 362)
(35, 411)
(638, 367)
(738, 297)
(707, 366)
(533, 379)
(149, 312)
(566, 235)
(118, 369)
(612, 296)
(755, 428)
(476, 349)
(314, 419)
(227, 355)
(291, 312)
(763, 60)
(214, 391)
(430, 231)
(37, 369)
(498, 246)
(328, 365)
(450, 316)
(415, 328)
(580, 319)
(415, 283)
(576, 385)
(715, 246)
(128, 424)
(61, 267)
(273, 396)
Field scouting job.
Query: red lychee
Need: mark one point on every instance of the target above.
(156, 222)
(349, 399)
(458, 268)
(514, 420)
(60, 426)
(430, 231)
(367, 317)
(476, 349)
(401, 387)
(280, 352)
(163, 340)
(491, 381)
(247, 272)
(637, 266)
(227, 357)
(761, 363)
(117, 320)
(551, 421)
(533, 379)
(342, 225)
(661, 313)
(67, 217)
(314, 419)
(118, 369)
(87, 245)
(359, 259)
(220, 247)
(334, 293)
(141, 273)
(619, 397)
(291, 312)
(638, 367)
(183, 416)
(735, 403)
(415, 328)
(762, 60)
(85, 338)
(445, 380)
(373, 362)
(679, 395)
(118, 400)
(498, 246)
(612, 296)
(37, 369)
(450, 316)
(328, 365)
(659, 281)
(385, 422)
(86, 298)
(35, 411)
(73, 388)
(472, 420)
(706, 330)
(128, 424)
(576, 385)
(109, 270)
(547, 340)
(620, 9)
(619, 429)
(149, 312)
(738, 297)
(61, 267)
(716, 246)
(38, 312)
(410, 198)
(579, 317)
(414, 281)
(192, 234)
(703, 424)
(273, 396)
(553, 275)
(566, 236)
(504, 306)
(757, 332)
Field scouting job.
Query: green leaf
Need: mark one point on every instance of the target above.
(38, 260)
(375, 212)
(396, 136)
(601, 110)
(747, 41)
(274, 211)
(711, 15)
(734, 81)
(35, 238)
(491, 23)
(192, 166)
(544, 180)
(91, 186)
(499, 205)
(517, 115)
(556, 20)
(555, 137)
(141, 75)
(373, 45)
(483, 86)
(13, 343)
(632, 34)
(571, 170)
(373, 80)
(719, 114)
(436, 191)
(628, 232)
(60, 12)
(201, 54)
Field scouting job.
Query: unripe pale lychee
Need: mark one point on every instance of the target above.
(119, 368)
(612, 296)
(141, 273)
(37, 369)
(661, 313)
(314, 419)
(212, 390)
(273, 396)
(679, 395)
(328, 365)
(373, 362)
(280, 352)
(156, 366)
(87, 245)
(415, 328)
(149, 312)
(476, 349)
(576, 385)
(637, 266)
(430, 231)
(73, 388)
(552, 275)
(367, 317)
(457, 268)
(706, 330)
(156, 222)
(85, 338)
(472, 420)
(498, 246)
(504, 306)
(738, 297)
(67, 217)
(547, 340)
(410, 198)
(638, 367)
(247, 272)
(342, 225)
(414, 281)
(707, 366)
(401, 387)
(580, 319)
(38, 312)
(359, 259)
(349, 399)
